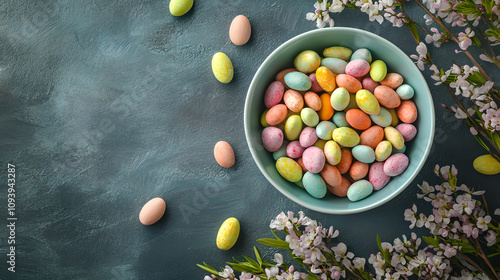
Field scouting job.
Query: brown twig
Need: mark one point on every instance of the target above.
(485, 258)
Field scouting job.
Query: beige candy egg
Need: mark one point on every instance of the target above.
(240, 30)
(152, 211)
(224, 154)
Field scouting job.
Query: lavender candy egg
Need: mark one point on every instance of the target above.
(377, 176)
(298, 81)
(272, 138)
(396, 164)
(407, 130)
(335, 65)
(362, 54)
(274, 94)
(314, 184)
(357, 68)
(314, 159)
(308, 137)
(294, 150)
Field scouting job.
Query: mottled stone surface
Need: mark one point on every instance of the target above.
(107, 104)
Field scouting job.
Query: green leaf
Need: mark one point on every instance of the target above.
(258, 255)
(208, 268)
(275, 235)
(253, 263)
(488, 5)
(478, 138)
(468, 7)
(431, 241)
(413, 29)
(280, 244)
(466, 246)
(244, 267)
(379, 243)
(494, 254)
(496, 139)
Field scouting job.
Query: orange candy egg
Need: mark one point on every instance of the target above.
(302, 166)
(342, 190)
(372, 136)
(312, 100)
(387, 97)
(276, 114)
(359, 170)
(392, 80)
(345, 161)
(293, 100)
(326, 111)
(348, 82)
(407, 111)
(325, 78)
(358, 119)
(331, 175)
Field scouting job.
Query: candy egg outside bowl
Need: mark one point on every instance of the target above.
(397, 61)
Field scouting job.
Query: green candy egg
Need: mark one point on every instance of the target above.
(378, 70)
(340, 99)
(180, 7)
(309, 117)
(383, 119)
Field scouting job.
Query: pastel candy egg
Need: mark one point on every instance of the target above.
(340, 191)
(337, 52)
(326, 111)
(359, 190)
(339, 99)
(367, 102)
(281, 74)
(307, 61)
(372, 136)
(314, 159)
(294, 149)
(224, 154)
(309, 117)
(387, 97)
(312, 100)
(339, 119)
(486, 164)
(320, 143)
(409, 131)
(335, 65)
(274, 94)
(314, 83)
(228, 234)
(394, 116)
(383, 119)
(345, 136)
(393, 136)
(331, 175)
(325, 129)
(263, 119)
(325, 78)
(357, 68)
(293, 100)
(383, 151)
(298, 81)
(405, 92)
(362, 54)
(332, 152)
(352, 103)
(377, 176)
(392, 80)
(399, 151)
(240, 30)
(152, 211)
(358, 119)
(407, 111)
(281, 152)
(276, 114)
(378, 70)
(289, 169)
(363, 153)
(358, 170)
(396, 164)
(222, 67)
(308, 137)
(272, 138)
(345, 161)
(369, 84)
(180, 7)
(314, 184)
(351, 84)
(293, 127)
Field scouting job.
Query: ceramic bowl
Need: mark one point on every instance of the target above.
(396, 60)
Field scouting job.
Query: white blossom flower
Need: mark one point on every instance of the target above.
(227, 272)
(465, 38)
(482, 223)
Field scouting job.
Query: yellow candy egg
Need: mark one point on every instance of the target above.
(289, 169)
(222, 67)
(320, 143)
(228, 234)
(378, 70)
(394, 116)
(332, 152)
(346, 136)
(180, 7)
(293, 127)
(263, 118)
(352, 102)
(383, 150)
(395, 137)
(337, 52)
(307, 61)
(487, 165)
(367, 102)
(325, 78)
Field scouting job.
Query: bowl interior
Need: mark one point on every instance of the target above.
(396, 60)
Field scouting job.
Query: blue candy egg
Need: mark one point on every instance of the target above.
(339, 119)
(405, 91)
(359, 190)
(400, 151)
(314, 184)
(362, 54)
(298, 81)
(363, 153)
(335, 65)
(324, 130)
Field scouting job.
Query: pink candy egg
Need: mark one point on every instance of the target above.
(274, 93)
(308, 137)
(315, 85)
(314, 159)
(294, 150)
(272, 138)
(396, 164)
(369, 84)
(357, 68)
(407, 130)
(377, 176)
